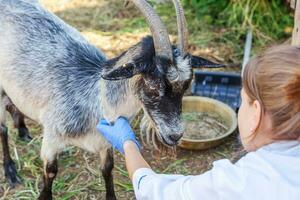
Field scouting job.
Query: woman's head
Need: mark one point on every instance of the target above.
(270, 107)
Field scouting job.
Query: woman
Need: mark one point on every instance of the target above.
(269, 126)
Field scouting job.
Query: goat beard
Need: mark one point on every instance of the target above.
(150, 137)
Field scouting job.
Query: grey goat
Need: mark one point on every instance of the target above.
(52, 75)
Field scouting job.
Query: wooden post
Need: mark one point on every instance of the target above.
(296, 32)
(292, 3)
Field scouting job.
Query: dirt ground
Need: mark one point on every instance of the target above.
(112, 28)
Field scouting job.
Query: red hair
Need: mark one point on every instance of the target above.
(273, 79)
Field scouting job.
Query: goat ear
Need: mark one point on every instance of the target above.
(118, 73)
(137, 59)
(199, 62)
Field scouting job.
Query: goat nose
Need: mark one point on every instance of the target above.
(175, 137)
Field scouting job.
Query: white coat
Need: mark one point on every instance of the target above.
(270, 173)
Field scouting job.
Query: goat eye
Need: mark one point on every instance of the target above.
(152, 87)
(153, 90)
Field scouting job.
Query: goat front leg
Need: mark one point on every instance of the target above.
(107, 165)
(49, 152)
(18, 119)
(50, 171)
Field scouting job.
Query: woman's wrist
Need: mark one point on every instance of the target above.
(133, 157)
(129, 144)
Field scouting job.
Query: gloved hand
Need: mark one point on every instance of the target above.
(118, 133)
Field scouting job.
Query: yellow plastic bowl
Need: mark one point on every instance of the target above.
(208, 105)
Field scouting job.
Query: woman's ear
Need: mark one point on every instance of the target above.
(257, 115)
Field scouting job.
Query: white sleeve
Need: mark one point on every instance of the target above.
(224, 180)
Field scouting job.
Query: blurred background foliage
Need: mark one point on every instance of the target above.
(270, 20)
(215, 26)
(225, 23)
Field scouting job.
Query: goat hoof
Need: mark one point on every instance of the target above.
(11, 173)
(45, 195)
(24, 135)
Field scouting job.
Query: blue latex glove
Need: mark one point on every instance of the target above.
(118, 133)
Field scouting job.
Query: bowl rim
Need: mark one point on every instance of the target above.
(228, 108)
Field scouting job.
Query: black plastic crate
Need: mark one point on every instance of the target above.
(222, 86)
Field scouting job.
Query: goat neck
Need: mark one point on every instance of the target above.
(118, 99)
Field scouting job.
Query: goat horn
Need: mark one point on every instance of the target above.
(182, 28)
(159, 32)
